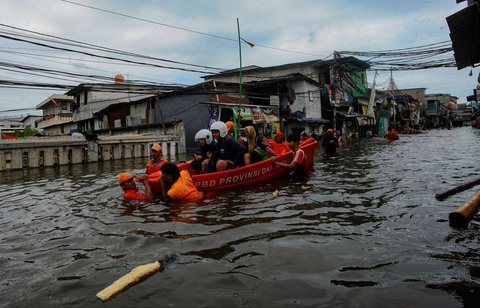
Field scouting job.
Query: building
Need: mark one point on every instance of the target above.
(57, 116)
(308, 94)
(31, 121)
(439, 110)
(10, 125)
(89, 99)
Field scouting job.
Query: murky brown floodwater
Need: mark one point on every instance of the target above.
(364, 231)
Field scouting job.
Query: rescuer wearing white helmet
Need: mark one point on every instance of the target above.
(228, 152)
(201, 158)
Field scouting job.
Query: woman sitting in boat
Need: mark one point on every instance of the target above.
(178, 185)
(201, 158)
(299, 162)
(228, 153)
(130, 190)
(156, 159)
(258, 148)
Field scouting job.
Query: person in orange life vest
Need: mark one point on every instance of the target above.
(178, 185)
(279, 145)
(130, 190)
(156, 159)
(305, 139)
(230, 127)
(299, 161)
(228, 153)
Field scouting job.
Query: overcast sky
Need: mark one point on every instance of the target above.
(204, 33)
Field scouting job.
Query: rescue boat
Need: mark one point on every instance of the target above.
(259, 172)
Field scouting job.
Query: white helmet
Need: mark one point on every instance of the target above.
(221, 127)
(204, 134)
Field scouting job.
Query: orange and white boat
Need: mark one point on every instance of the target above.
(260, 172)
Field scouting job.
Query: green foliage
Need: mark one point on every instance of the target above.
(26, 132)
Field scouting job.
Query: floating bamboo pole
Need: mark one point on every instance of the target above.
(462, 215)
(457, 189)
(136, 275)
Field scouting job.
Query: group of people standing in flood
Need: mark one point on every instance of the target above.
(175, 184)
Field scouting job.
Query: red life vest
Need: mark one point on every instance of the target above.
(392, 134)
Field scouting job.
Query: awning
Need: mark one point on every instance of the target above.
(464, 33)
(265, 114)
(255, 113)
(364, 121)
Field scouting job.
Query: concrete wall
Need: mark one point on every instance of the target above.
(189, 110)
(43, 152)
(33, 155)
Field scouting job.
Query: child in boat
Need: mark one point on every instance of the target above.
(228, 153)
(201, 158)
(156, 159)
(298, 165)
(130, 190)
(258, 148)
(178, 185)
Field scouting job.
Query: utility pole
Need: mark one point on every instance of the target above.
(333, 96)
(235, 130)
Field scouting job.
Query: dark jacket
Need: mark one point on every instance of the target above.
(329, 146)
(229, 149)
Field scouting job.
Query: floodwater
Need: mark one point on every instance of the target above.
(364, 231)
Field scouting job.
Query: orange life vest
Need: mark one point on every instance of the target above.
(155, 166)
(184, 189)
(307, 141)
(279, 148)
(301, 169)
(134, 194)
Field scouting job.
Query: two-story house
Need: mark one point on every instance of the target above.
(89, 99)
(57, 115)
(303, 90)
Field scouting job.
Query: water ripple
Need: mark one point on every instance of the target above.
(367, 222)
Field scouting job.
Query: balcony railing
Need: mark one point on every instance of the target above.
(55, 120)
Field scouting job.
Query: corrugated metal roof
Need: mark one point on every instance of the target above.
(465, 35)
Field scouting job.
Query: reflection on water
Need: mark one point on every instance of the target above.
(365, 230)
